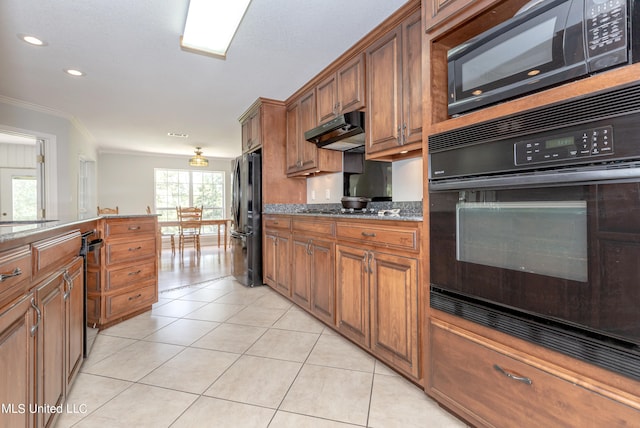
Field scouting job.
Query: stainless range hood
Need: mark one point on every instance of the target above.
(344, 133)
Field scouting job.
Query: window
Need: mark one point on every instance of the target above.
(187, 188)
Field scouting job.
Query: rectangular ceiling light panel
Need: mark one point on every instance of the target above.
(211, 25)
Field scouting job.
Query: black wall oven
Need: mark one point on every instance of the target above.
(535, 230)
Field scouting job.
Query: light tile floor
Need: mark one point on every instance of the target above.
(217, 354)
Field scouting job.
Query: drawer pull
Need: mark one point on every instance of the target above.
(34, 328)
(134, 227)
(135, 297)
(135, 273)
(15, 272)
(522, 379)
(135, 249)
(369, 234)
(276, 222)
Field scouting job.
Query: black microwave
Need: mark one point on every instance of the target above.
(546, 43)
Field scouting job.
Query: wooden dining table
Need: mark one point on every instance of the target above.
(204, 222)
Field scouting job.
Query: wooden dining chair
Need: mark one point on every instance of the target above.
(108, 210)
(189, 227)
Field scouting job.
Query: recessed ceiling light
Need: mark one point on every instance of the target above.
(32, 40)
(74, 72)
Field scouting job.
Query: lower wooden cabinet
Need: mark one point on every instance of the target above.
(276, 253)
(378, 304)
(487, 384)
(74, 319)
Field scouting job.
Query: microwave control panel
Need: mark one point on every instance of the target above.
(606, 32)
(580, 144)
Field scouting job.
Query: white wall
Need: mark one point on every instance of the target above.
(70, 143)
(406, 185)
(125, 180)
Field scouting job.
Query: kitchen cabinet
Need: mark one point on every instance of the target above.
(394, 91)
(312, 268)
(342, 91)
(303, 157)
(128, 275)
(74, 319)
(251, 130)
(377, 291)
(277, 254)
(503, 387)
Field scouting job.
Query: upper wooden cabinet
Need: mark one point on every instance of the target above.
(251, 136)
(394, 91)
(342, 91)
(303, 157)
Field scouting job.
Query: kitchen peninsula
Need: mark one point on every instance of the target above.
(42, 300)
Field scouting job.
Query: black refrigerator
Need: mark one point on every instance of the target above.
(246, 210)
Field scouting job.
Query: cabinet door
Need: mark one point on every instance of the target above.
(255, 139)
(394, 310)
(352, 293)
(384, 92)
(74, 327)
(283, 267)
(51, 340)
(269, 268)
(412, 80)
(327, 99)
(322, 282)
(293, 132)
(300, 272)
(17, 352)
(308, 151)
(350, 79)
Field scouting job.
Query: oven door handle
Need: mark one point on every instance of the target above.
(586, 175)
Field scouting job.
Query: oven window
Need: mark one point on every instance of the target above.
(546, 238)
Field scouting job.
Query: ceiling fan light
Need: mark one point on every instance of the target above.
(211, 25)
(198, 159)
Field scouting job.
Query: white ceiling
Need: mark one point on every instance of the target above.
(140, 85)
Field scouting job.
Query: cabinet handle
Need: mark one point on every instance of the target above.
(135, 273)
(135, 249)
(69, 282)
(522, 379)
(369, 234)
(364, 262)
(135, 297)
(369, 262)
(276, 222)
(34, 328)
(134, 227)
(309, 251)
(15, 272)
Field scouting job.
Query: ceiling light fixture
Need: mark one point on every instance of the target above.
(32, 40)
(211, 24)
(73, 72)
(198, 159)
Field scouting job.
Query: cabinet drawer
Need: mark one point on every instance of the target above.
(125, 277)
(130, 250)
(129, 227)
(54, 253)
(131, 301)
(277, 222)
(15, 268)
(405, 238)
(324, 228)
(504, 391)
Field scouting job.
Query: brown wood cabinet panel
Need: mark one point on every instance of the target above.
(15, 266)
(494, 389)
(401, 238)
(352, 293)
(47, 254)
(394, 312)
(327, 99)
(126, 276)
(51, 380)
(119, 251)
(74, 319)
(124, 303)
(17, 354)
(293, 132)
(438, 11)
(310, 225)
(276, 256)
(277, 222)
(130, 228)
(342, 91)
(322, 268)
(308, 151)
(412, 80)
(300, 271)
